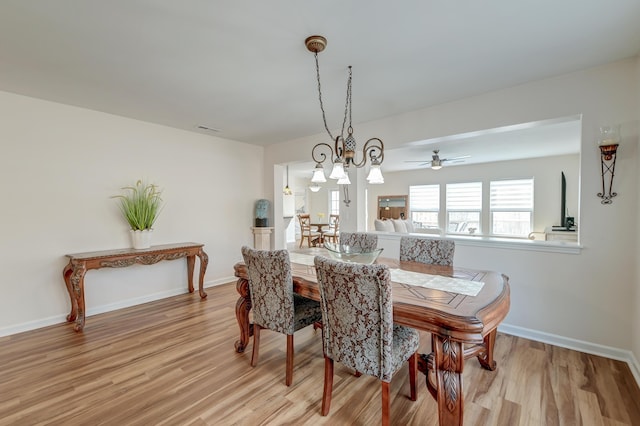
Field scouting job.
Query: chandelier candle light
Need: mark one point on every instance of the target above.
(343, 153)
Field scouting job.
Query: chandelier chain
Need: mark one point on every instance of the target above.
(347, 105)
(348, 102)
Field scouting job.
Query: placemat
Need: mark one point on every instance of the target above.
(437, 282)
(302, 259)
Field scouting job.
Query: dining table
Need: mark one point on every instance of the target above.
(319, 229)
(461, 308)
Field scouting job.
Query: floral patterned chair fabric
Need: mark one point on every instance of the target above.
(274, 304)
(426, 250)
(358, 329)
(364, 240)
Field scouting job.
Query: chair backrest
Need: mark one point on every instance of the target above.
(334, 222)
(271, 287)
(305, 221)
(357, 315)
(364, 240)
(427, 250)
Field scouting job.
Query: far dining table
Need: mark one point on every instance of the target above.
(461, 325)
(320, 239)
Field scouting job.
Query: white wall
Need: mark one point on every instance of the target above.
(58, 168)
(636, 318)
(587, 297)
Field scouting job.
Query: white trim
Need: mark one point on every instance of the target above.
(58, 319)
(577, 345)
(495, 242)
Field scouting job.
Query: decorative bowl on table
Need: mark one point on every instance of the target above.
(351, 254)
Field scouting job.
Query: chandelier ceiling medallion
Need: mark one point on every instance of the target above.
(343, 153)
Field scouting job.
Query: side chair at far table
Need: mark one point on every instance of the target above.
(275, 306)
(306, 230)
(358, 329)
(332, 234)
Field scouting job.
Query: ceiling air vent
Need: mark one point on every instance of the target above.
(207, 128)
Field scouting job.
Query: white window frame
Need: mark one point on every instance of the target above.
(514, 198)
(334, 201)
(424, 205)
(456, 204)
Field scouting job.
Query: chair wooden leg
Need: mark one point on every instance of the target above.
(385, 403)
(289, 378)
(413, 368)
(256, 344)
(301, 240)
(328, 385)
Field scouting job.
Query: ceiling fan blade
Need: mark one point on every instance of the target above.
(462, 157)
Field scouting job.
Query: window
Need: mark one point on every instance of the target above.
(334, 208)
(464, 205)
(424, 201)
(511, 205)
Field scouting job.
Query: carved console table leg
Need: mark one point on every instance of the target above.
(191, 260)
(204, 261)
(77, 282)
(448, 360)
(243, 306)
(486, 357)
(66, 274)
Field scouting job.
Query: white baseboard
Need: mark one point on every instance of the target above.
(62, 318)
(577, 345)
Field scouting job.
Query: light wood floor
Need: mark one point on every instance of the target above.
(173, 362)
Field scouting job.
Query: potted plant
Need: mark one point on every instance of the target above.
(140, 206)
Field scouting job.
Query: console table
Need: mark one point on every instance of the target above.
(80, 263)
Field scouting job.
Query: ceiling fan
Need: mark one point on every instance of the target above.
(436, 162)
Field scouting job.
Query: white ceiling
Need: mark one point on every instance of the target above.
(241, 66)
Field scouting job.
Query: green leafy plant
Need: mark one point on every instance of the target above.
(140, 205)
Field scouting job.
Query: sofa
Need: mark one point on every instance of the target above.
(402, 226)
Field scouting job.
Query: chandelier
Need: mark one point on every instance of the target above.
(343, 153)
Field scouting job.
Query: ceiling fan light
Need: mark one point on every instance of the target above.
(375, 175)
(318, 174)
(436, 164)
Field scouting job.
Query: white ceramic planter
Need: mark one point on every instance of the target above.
(141, 239)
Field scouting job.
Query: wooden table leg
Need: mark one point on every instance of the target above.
(204, 261)
(448, 360)
(77, 282)
(191, 261)
(486, 357)
(243, 306)
(66, 274)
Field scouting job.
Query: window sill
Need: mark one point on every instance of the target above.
(518, 244)
(495, 242)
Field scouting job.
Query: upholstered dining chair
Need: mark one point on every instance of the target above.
(333, 232)
(364, 240)
(427, 250)
(306, 231)
(274, 304)
(358, 329)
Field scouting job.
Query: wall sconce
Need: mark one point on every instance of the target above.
(608, 143)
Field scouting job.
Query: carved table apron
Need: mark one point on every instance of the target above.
(80, 263)
(461, 326)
